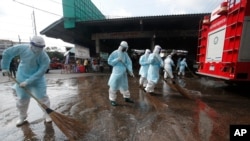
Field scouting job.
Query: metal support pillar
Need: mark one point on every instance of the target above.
(97, 46)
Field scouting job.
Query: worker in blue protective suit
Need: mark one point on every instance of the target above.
(30, 74)
(183, 65)
(155, 63)
(178, 63)
(121, 63)
(143, 61)
(168, 64)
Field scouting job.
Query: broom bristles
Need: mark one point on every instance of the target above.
(158, 105)
(72, 128)
(178, 88)
(171, 85)
(182, 91)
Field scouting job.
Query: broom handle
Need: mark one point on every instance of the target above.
(125, 67)
(29, 93)
(192, 73)
(169, 75)
(178, 87)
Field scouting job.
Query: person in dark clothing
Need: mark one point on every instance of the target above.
(13, 68)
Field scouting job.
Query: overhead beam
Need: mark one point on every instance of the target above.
(145, 34)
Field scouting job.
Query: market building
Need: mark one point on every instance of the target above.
(84, 24)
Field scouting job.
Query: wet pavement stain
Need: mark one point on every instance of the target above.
(85, 98)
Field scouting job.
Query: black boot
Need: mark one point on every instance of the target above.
(128, 100)
(113, 103)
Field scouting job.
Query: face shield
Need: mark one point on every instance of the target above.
(35, 49)
(147, 52)
(124, 49)
(37, 44)
(124, 46)
(157, 49)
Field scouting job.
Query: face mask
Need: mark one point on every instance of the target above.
(124, 49)
(36, 50)
(159, 51)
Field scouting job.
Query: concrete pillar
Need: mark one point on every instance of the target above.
(97, 46)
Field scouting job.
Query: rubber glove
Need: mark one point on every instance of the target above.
(131, 74)
(5, 72)
(23, 84)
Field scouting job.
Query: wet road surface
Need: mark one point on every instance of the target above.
(85, 97)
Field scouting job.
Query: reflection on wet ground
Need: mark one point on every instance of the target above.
(85, 98)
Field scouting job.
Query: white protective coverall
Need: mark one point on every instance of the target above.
(143, 61)
(121, 63)
(30, 74)
(168, 64)
(154, 69)
(183, 65)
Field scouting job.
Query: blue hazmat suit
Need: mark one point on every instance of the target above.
(143, 61)
(33, 64)
(31, 69)
(121, 63)
(178, 63)
(183, 65)
(155, 63)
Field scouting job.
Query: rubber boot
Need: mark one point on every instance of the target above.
(46, 101)
(128, 100)
(47, 118)
(113, 103)
(22, 107)
(22, 120)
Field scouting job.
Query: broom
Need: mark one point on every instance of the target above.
(195, 76)
(171, 85)
(182, 91)
(155, 102)
(158, 105)
(72, 129)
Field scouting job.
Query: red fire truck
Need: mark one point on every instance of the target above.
(224, 42)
